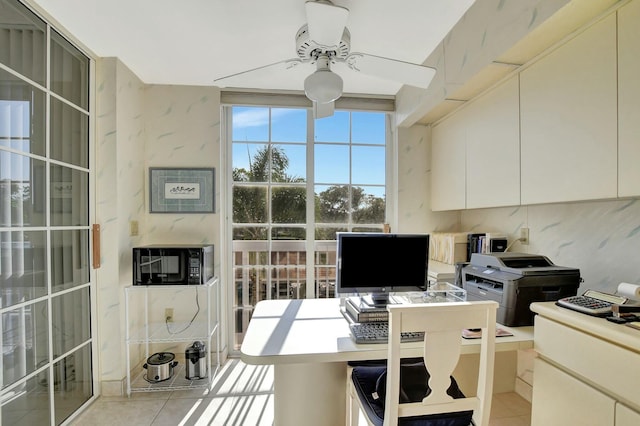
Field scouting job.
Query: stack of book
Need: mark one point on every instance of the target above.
(358, 311)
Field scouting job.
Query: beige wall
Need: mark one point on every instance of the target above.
(119, 196)
(414, 181)
(138, 127)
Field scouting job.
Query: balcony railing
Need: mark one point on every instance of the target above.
(265, 270)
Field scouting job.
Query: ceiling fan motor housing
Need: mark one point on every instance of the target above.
(309, 50)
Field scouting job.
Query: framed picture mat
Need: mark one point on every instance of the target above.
(181, 190)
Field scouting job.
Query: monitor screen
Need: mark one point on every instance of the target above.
(378, 263)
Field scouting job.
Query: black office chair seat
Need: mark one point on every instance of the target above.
(370, 382)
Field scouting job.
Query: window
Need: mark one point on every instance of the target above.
(295, 183)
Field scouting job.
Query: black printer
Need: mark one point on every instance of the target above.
(515, 280)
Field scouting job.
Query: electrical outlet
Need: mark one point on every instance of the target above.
(168, 315)
(524, 236)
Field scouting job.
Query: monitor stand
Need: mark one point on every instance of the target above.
(377, 300)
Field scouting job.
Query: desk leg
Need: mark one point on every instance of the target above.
(310, 394)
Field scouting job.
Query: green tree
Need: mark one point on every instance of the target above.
(288, 204)
(250, 202)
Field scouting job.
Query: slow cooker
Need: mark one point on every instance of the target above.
(160, 367)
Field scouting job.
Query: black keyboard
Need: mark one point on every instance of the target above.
(378, 332)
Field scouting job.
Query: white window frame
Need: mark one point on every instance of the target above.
(230, 99)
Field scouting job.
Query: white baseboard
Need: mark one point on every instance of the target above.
(113, 387)
(524, 389)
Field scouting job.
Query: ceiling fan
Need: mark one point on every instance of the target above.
(324, 41)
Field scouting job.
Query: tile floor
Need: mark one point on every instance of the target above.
(241, 395)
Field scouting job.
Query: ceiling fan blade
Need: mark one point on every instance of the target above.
(260, 72)
(391, 69)
(323, 110)
(326, 22)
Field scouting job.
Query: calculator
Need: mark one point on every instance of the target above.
(592, 302)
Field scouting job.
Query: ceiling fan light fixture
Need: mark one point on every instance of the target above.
(323, 86)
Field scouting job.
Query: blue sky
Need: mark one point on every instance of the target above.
(331, 159)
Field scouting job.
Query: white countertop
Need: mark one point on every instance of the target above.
(314, 330)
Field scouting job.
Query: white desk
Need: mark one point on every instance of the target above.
(309, 344)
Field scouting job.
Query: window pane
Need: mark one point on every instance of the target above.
(22, 41)
(368, 127)
(25, 342)
(69, 134)
(23, 266)
(249, 162)
(69, 259)
(333, 129)
(328, 233)
(332, 203)
(368, 205)
(30, 406)
(289, 205)
(249, 233)
(282, 233)
(289, 163)
(250, 124)
(368, 165)
(69, 71)
(71, 320)
(249, 204)
(22, 115)
(73, 383)
(288, 125)
(331, 163)
(22, 192)
(69, 196)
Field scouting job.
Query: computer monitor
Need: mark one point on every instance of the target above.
(378, 264)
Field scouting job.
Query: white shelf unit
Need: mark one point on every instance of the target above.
(146, 331)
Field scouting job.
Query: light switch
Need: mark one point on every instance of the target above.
(133, 228)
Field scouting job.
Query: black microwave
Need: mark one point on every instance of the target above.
(172, 264)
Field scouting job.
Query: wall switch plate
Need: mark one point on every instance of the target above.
(524, 236)
(133, 228)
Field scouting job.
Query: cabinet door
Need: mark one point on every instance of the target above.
(625, 416)
(568, 120)
(493, 148)
(629, 100)
(448, 160)
(560, 399)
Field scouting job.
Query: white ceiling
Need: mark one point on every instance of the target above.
(193, 42)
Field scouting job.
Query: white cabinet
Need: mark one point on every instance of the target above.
(196, 310)
(625, 416)
(568, 120)
(628, 100)
(475, 159)
(586, 372)
(448, 161)
(493, 148)
(566, 400)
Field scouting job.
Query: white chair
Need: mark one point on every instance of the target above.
(442, 324)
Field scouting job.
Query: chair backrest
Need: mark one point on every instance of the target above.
(442, 324)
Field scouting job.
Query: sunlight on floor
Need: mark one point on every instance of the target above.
(241, 395)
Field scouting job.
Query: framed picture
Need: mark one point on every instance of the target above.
(176, 190)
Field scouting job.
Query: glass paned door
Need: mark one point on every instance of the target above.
(45, 277)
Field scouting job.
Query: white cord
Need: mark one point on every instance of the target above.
(512, 243)
(166, 320)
